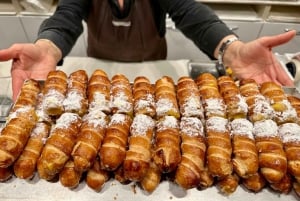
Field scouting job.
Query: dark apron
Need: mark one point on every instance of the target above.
(132, 39)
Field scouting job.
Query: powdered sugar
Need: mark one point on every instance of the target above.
(289, 132)
(66, 119)
(242, 127)
(164, 106)
(214, 106)
(121, 102)
(99, 102)
(262, 106)
(53, 99)
(73, 101)
(117, 119)
(141, 125)
(242, 105)
(192, 107)
(96, 118)
(288, 114)
(191, 126)
(265, 128)
(219, 124)
(147, 102)
(167, 122)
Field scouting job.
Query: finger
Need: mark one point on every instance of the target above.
(8, 54)
(272, 41)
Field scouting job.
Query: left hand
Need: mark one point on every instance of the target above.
(256, 60)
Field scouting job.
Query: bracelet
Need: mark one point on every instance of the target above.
(224, 46)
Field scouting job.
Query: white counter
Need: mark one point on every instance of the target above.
(37, 189)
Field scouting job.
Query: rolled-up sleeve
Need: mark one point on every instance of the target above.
(65, 25)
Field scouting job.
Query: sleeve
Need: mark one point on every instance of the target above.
(65, 25)
(198, 22)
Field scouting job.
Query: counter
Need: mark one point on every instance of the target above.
(37, 189)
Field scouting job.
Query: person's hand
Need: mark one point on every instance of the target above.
(256, 60)
(30, 61)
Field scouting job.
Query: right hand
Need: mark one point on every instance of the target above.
(29, 60)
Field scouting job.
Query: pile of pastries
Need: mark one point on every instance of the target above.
(196, 133)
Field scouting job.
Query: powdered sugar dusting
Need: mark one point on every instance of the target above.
(167, 122)
(242, 127)
(262, 106)
(289, 113)
(191, 126)
(99, 102)
(141, 125)
(96, 118)
(117, 119)
(53, 99)
(66, 119)
(242, 105)
(266, 128)
(121, 102)
(192, 107)
(214, 106)
(219, 124)
(164, 106)
(146, 102)
(20, 110)
(289, 132)
(73, 101)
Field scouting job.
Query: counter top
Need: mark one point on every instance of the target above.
(37, 189)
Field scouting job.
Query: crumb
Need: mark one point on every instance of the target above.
(133, 187)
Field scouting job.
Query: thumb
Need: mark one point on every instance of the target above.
(272, 41)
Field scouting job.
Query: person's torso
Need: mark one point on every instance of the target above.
(128, 34)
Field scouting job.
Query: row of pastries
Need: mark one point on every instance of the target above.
(195, 133)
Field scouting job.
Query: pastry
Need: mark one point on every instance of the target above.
(152, 178)
(166, 152)
(284, 112)
(98, 91)
(193, 148)
(59, 145)
(188, 97)
(255, 182)
(76, 98)
(121, 98)
(143, 95)
(138, 155)
(55, 89)
(96, 177)
(219, 150)
(245, 156)
(228, 184)
(69, 177)
(271, 156)
(259, 107)
(236, 105)
(289, 134)
(113, 150)
(89, 139)
(15, 134)
(165, 98)
(28, 95)
(211, 98)
(25, 166)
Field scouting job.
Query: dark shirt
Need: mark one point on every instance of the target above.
(196, 21)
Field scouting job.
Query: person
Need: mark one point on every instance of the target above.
(134, 31)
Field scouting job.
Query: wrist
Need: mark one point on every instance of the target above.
(50, 48)
(226, 51)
